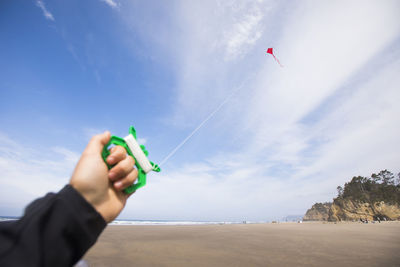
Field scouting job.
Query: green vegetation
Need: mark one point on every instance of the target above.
(383, 186)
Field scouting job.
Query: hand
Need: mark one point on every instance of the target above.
(101, 187)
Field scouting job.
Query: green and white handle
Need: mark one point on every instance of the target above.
(139, 154)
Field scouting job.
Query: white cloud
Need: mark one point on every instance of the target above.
(323, 50)
(46, 13)
(362, 132)
(204, 191)
(329, 114)
(111, 3)
(243, 34)
(28, 173)
(214, 36)
(283, 142)
(68, 155)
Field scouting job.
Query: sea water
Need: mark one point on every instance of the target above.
(162, 222)
(154, 222)
(8, 218)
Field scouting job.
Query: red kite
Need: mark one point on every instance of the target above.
(270, 51)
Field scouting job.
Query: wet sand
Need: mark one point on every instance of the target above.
(284, 244)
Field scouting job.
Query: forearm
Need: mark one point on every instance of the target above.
(55, 231)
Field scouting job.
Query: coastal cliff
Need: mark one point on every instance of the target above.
(352, 211)
(366, 198)
(347, 210)
(318, 212)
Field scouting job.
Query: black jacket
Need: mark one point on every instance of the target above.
(56, 230)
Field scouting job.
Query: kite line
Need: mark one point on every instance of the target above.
(202, 123)
(269, 51)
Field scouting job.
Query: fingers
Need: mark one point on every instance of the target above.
(121, 169)
(118, 153)
(126, 181)
(123, 174)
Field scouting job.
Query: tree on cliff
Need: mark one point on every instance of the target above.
(340, 191)
(361, 197)
(384, 177)
(378, 187)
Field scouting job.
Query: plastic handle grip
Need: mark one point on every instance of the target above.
(118, 141)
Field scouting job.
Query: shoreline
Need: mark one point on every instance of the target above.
(248, 223)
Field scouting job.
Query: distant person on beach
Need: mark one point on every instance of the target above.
(58, 229)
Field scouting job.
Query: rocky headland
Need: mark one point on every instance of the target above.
(363, 198)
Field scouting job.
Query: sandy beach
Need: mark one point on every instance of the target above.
(282, 244)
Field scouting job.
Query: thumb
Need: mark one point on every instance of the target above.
(97, 142)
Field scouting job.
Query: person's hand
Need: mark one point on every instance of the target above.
(101, 187)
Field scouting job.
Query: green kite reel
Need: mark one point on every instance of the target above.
(139, 154)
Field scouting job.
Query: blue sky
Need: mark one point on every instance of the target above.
(286, 139)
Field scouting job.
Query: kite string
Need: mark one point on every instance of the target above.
(277, 60)
(202, 123)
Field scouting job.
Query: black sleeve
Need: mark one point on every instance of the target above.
(55, 230)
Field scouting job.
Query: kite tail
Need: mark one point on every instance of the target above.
(277, 60)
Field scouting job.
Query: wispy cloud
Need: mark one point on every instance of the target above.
(284, 141)
(294, 133)
(46, 13)
(214, 36)
(28, 173)
(244, 33)
(111, 3)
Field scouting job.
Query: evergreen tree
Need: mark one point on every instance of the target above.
(379, 187)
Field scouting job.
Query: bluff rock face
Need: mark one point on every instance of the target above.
(318, 212)
(348, 210)
(366, 198)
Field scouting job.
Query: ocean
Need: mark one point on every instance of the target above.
(152, 222)
(162, 222)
